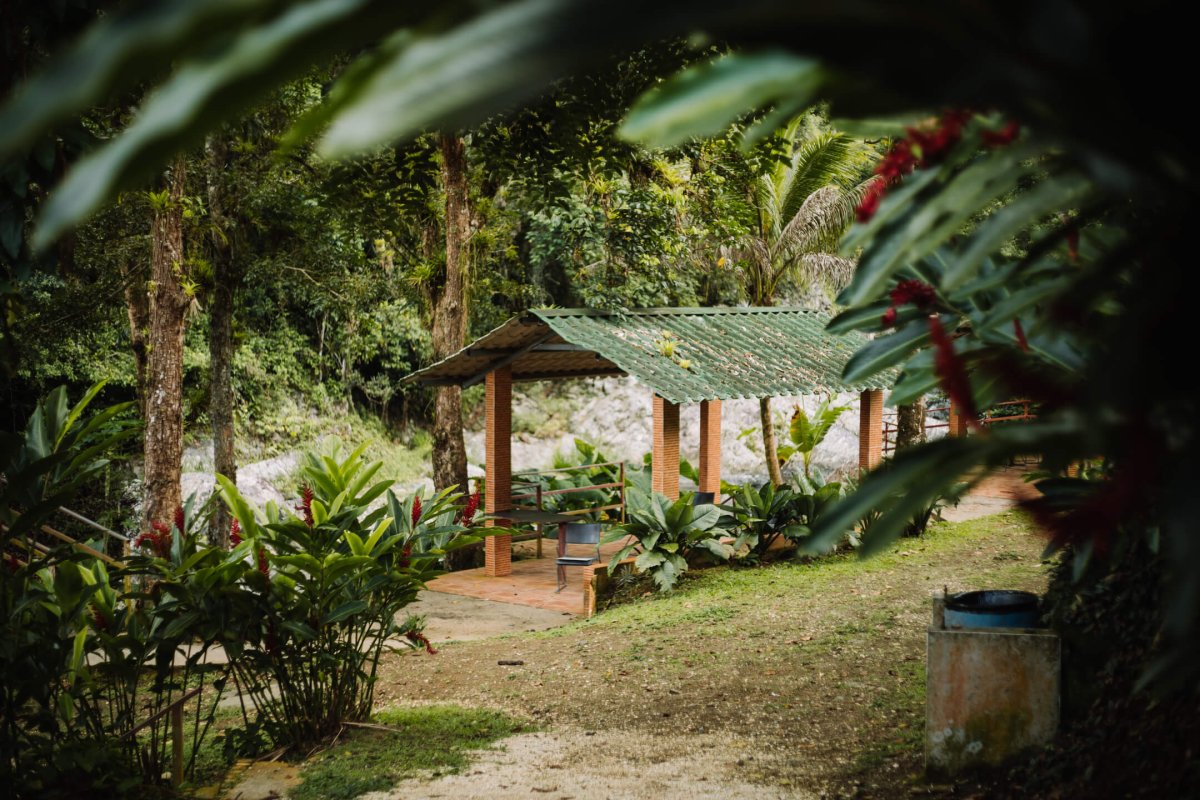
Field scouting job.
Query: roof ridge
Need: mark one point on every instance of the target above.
(671, 311)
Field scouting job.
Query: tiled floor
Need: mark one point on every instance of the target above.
(532, 582)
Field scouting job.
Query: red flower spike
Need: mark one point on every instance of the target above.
(416, 637)
(870, 201)
(179, 520)
(953, 376)
(919, 293)
(1019, 330)
(263, 566)
(99, 621)
(889, 317)
(1005, 136)
(305, 507)
(468, 512)
(235, 533)
(416, 512)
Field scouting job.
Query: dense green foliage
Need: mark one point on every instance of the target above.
(666, 534)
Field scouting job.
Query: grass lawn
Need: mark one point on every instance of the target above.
(813, 671)
(425, 741)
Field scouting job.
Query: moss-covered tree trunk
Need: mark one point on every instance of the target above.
(220, 337)
(137, 309)
(769, 446)
(169, 303)
(449, 318)
(910, 428)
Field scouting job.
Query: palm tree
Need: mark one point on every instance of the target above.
(804, 205)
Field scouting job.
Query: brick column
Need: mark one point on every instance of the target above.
(497, 550)
(664, 477)
(710, 446)
(958, 423)
(870, 429)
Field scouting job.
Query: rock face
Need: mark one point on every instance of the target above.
(615, 414)
(257, 481)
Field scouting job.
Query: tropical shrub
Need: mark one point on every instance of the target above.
(759, 517)
(805, 433)
(666, 533)
(315, 601)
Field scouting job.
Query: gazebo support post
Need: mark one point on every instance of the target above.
(710, 447)
(870, 429)
(497, 550)
(958, 423)
(664, 477)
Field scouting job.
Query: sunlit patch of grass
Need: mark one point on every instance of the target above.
(424, 741)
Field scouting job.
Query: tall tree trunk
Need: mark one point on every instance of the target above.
(220, 341)
(768, 434)
(449, 318)
(909, 427)
(137, 308)
(164, 380)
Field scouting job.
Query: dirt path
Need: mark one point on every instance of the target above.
(784, 681)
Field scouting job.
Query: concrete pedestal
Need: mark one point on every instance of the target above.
(990, 693)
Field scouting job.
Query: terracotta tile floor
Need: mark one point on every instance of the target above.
(532, 582)
(1008, 484)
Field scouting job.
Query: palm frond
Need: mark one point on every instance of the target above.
(815, 269)
(820, 160)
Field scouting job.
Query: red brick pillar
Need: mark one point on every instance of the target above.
(664, 477)
(710, 446)
(497, 550)
(958, 423)
(870, 429)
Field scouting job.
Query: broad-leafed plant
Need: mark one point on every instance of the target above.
(321, 588)
(665, 534)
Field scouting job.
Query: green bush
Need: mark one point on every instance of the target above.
(666, 534)
(313, 597)
(759, 517)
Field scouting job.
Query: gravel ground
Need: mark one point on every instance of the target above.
(790, 680)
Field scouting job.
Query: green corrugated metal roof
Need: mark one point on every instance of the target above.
(733, 352)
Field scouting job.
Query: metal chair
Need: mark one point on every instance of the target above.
(576, 533)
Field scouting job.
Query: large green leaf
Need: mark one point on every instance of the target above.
(127, 45)
(1052, 195)
(706, 99)
(888, 351)
(202, 93)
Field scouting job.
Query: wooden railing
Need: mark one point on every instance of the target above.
(535, 492)
(890, 428)
(175, 711)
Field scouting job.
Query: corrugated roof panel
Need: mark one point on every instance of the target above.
(733, 352)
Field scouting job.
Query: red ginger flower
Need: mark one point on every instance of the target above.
(99, 621)
(179, 520)
(416, 512)
(468, 512)
(416, 637)
(916, 292)
(1019, 330)
(952, 374)
(870, 201)
(263, 567)
(157, 540)
(306, 498)
(1006, 135)
(235, 532)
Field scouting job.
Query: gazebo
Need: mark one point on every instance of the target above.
(684, 355)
